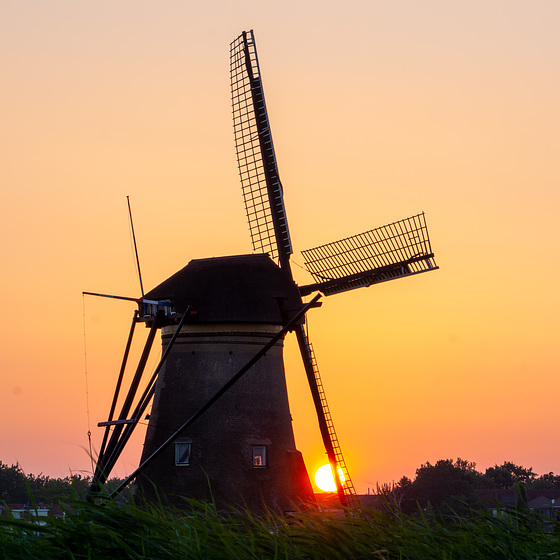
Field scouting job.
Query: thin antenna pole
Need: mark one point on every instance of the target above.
(135, 247)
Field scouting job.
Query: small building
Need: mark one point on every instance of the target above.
(545, 502)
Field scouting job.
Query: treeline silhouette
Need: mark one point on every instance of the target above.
(452, 485)
(447, 484)
(17, 487)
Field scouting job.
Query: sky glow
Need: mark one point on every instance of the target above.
(378, 111)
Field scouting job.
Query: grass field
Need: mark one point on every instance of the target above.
(113, 531)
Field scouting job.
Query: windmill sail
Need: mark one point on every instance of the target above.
(262, 190)
(393, 251)
(343, 482)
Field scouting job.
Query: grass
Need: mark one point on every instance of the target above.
(109, 530)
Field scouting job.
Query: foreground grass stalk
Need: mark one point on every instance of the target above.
(147, 531)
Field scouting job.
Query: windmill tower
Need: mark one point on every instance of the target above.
(220, 425)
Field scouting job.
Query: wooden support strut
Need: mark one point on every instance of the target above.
(119, 383)
(106, 462)
(146, 397)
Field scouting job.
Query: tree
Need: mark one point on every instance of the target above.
(447, 484)
(508, 475)
(17, 488)
(13, 487)
(548, 480)
(47, 490)
(404, 484)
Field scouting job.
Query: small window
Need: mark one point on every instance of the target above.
(182, 454)
(259, 456)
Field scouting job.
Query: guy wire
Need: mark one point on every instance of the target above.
(87, 384)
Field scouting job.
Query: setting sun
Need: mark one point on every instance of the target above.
(324, 478)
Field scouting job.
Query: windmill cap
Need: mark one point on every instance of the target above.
(235, 289)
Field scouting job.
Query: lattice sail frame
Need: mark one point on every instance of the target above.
(388, 252)
(256, 159)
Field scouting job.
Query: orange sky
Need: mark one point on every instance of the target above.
(379, 111)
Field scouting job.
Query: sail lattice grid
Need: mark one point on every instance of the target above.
(262, 191)
(348, 490)
(392, 251)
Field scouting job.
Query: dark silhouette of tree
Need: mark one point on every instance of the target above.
(545, 481)
(397, 496)
(404, 484)
(46, 489)
(447, 485)
(13, 488)
(451, 486)
(404, 494)
(18, 488)
(508, 475)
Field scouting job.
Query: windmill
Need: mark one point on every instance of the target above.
(220, 425)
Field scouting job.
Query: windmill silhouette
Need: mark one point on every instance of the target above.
(220, 425)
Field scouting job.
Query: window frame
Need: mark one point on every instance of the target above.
(262, 456)
(178, 462)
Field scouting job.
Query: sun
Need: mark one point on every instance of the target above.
(324, 478)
